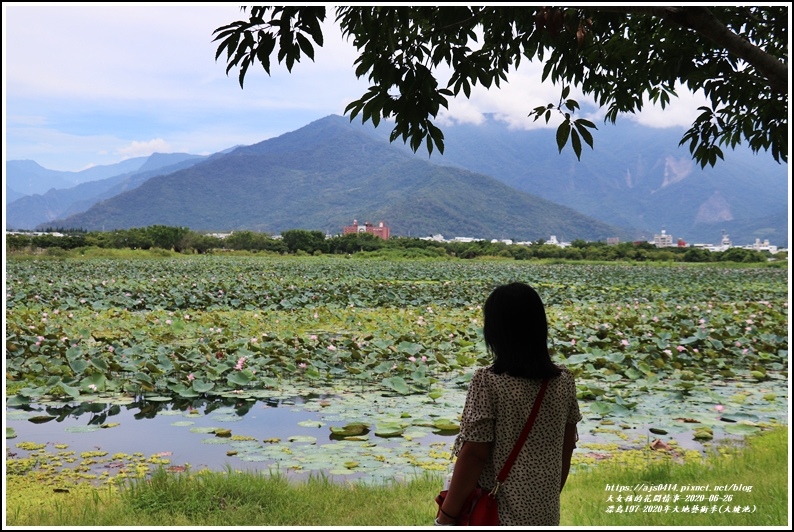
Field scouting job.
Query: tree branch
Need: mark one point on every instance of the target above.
(703, 21)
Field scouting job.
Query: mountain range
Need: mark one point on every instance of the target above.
(491, 182)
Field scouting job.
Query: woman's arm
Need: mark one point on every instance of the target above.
(568, 445)
(471, 460)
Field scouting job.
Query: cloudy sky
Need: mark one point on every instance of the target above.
(93, 84)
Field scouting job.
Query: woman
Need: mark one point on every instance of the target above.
(498, 404)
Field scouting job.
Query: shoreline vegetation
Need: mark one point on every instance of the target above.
(164, 241)
(741, 484)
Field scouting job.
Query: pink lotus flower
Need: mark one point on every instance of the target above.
(302, 365)
(424, 358)
(313, 337)
(624, 342)
(681, 348)
(111, 348)
(719, 408)
(92, 387)
(412, 359)
(190, 377)
(332, 347)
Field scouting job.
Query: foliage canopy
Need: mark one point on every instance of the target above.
(622, 56)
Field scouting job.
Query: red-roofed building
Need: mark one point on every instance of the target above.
(381, 230)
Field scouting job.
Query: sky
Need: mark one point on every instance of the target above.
(88, 84)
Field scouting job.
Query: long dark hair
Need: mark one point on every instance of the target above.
(516, 332)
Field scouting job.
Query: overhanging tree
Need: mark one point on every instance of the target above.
(621, 56)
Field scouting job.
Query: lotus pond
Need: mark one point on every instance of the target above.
(358, 369)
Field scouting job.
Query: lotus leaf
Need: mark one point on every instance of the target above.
(302, 439)
(82, 428)
(351, 429)
(389, 430)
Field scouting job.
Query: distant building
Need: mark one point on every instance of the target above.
(613, 241)
(554, 242)
(663, 240)
(762, 246)
(381, 230)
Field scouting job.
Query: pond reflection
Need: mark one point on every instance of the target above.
(297, 433)
(292, 434)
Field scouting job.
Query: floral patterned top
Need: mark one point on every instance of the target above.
(496, 410)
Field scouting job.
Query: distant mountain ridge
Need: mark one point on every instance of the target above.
(326, 174)
(35, 210)
(636, 178)
(24, 177)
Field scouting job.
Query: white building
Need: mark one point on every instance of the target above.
(663, 240)
(762, 246)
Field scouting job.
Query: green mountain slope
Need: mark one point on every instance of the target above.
(328, 173)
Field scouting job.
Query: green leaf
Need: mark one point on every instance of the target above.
(562, 135)
(576, 143)
(397, 384)
(78, 365)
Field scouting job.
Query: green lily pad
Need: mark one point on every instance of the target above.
(204, 430)
(311, 423)
(351, 429)
(82, 428)
(741, 428)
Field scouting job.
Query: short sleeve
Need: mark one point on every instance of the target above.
(479, 412)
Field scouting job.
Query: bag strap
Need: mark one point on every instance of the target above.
(521, 439)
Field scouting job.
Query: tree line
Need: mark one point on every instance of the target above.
(312, 242)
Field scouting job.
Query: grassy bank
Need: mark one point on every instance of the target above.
(244, 499)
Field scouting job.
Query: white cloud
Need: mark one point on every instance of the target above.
(142, 149)
(680, 112)
(87, 82)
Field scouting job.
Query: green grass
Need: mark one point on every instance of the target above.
(232, 498)
(761, 463)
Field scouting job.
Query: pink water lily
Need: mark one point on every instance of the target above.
(190, 377)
